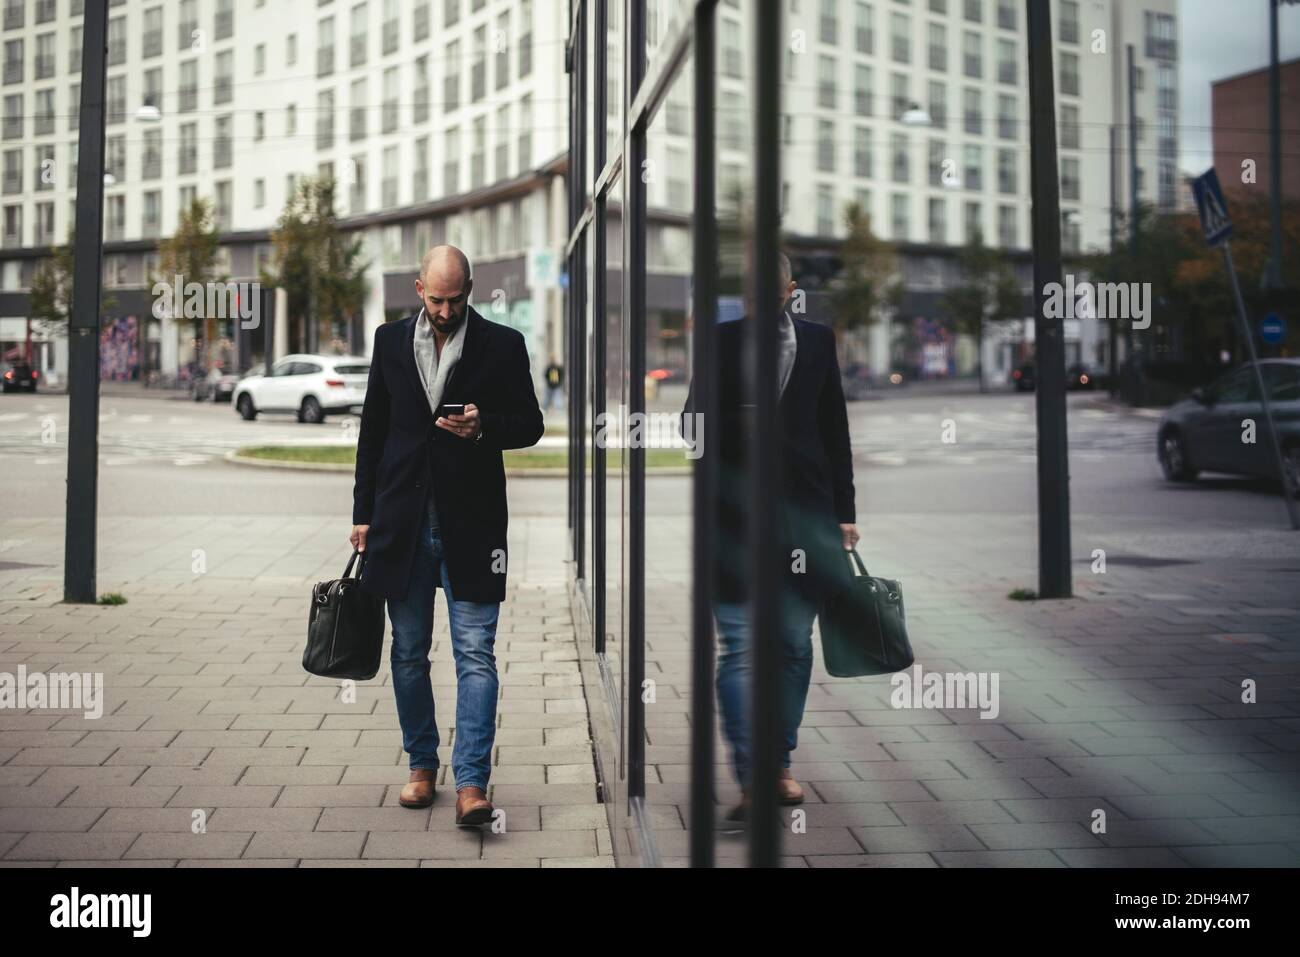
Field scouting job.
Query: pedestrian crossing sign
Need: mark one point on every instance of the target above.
(1212, 208)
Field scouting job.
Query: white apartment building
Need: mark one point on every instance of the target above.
(441, 120)
(446, 120)
(854, 68)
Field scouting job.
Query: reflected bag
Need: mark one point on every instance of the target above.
(863, 628)
(345, 628)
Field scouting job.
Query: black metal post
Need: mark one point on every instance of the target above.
(705, 488)
(600, 323)
(579, 369)
(1132, 350)
(1112, 324)
(766, 600)
(634, 284)
(1273, 270)
(1054, 576)
(83, 328)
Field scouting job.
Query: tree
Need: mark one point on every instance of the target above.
(50, 297)
(320, 270)
(191, 253)
(869, 280)
(987, 291)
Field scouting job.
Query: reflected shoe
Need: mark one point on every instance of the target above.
(788, 790)
(738, 817)
(472, 807)
(418, 791)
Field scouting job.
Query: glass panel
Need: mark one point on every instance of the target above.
(668, 569)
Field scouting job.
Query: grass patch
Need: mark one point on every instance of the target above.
(1023, 594)
(557, 459)
(112, 598)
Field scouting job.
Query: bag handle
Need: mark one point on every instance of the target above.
(347, 572)
(856, 561)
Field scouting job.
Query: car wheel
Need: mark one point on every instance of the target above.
(311, 412)
(245, 407)
(1173, 458)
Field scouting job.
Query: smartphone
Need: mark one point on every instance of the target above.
(450, 408)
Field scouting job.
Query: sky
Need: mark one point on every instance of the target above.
(1219, 39)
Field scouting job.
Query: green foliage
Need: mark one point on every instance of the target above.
(50, 296)
(987, 290)
(321, 271)
(870, 278)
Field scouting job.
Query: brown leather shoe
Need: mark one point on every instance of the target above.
(788, 790)
(472, 807)
(418, 791)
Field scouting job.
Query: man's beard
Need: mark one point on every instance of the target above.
(447, 326)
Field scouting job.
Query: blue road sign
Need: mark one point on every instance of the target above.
(1272, 329)
(1212, 208)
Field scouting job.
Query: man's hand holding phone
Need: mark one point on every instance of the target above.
(461, 420)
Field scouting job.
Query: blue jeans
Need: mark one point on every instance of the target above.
(473, 634)
(734, 670)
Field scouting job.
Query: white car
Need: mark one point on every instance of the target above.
(309, 386)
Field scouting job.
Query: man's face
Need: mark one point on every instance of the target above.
(784, 293)
(444, 300)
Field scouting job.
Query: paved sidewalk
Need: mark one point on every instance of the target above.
(209, 715)
(1126, 699)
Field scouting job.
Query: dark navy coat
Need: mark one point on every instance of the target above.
(400, 453)
(815, 492)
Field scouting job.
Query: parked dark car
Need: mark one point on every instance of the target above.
(1023, 377)
(1205, 432)
(1079, 376)
(18, 375)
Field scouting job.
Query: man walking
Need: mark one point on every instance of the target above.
(448, 391)
(815, 520)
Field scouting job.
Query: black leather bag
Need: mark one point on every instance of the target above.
(864, 627)
(345, 628)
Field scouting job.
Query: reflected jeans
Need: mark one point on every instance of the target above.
(733, 676)
(473, 635)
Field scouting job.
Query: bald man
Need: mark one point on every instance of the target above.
(449, 390)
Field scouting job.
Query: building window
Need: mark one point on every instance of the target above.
(357, 111)
(973, 168)
(1069, 73)
(45, 56)
(359, 36)
(825, 211)
(224, 21)
(451, 78)
(187, 25)
(826, 82)
(1007, 71)
(938, 47)
(188, 159)
(151, 165)
(188, 99)
(899, 165)
(899, 220)
(325, 47)
(972, 111)
(971, 55)
(324, 119)
(223, 77)
(117, 41)
(1007, 233)
(221, 144)
(938, 104)
(1007, 171)
(900, 38)
(862, 153)
(421, 95)
(392, 28)
(938, 221)
(1069, 126)
(151, 214)
(862, 90)
(388, 185)
(503, 52)
(1069, 21)
(863, 29)
(525, 38)
(391, 95)
(1006, 117)
(826, 146)
(526, 132)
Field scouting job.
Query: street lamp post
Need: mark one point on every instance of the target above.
(1054, 575)
(83, 326)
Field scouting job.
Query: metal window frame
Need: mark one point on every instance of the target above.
(644, 93)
